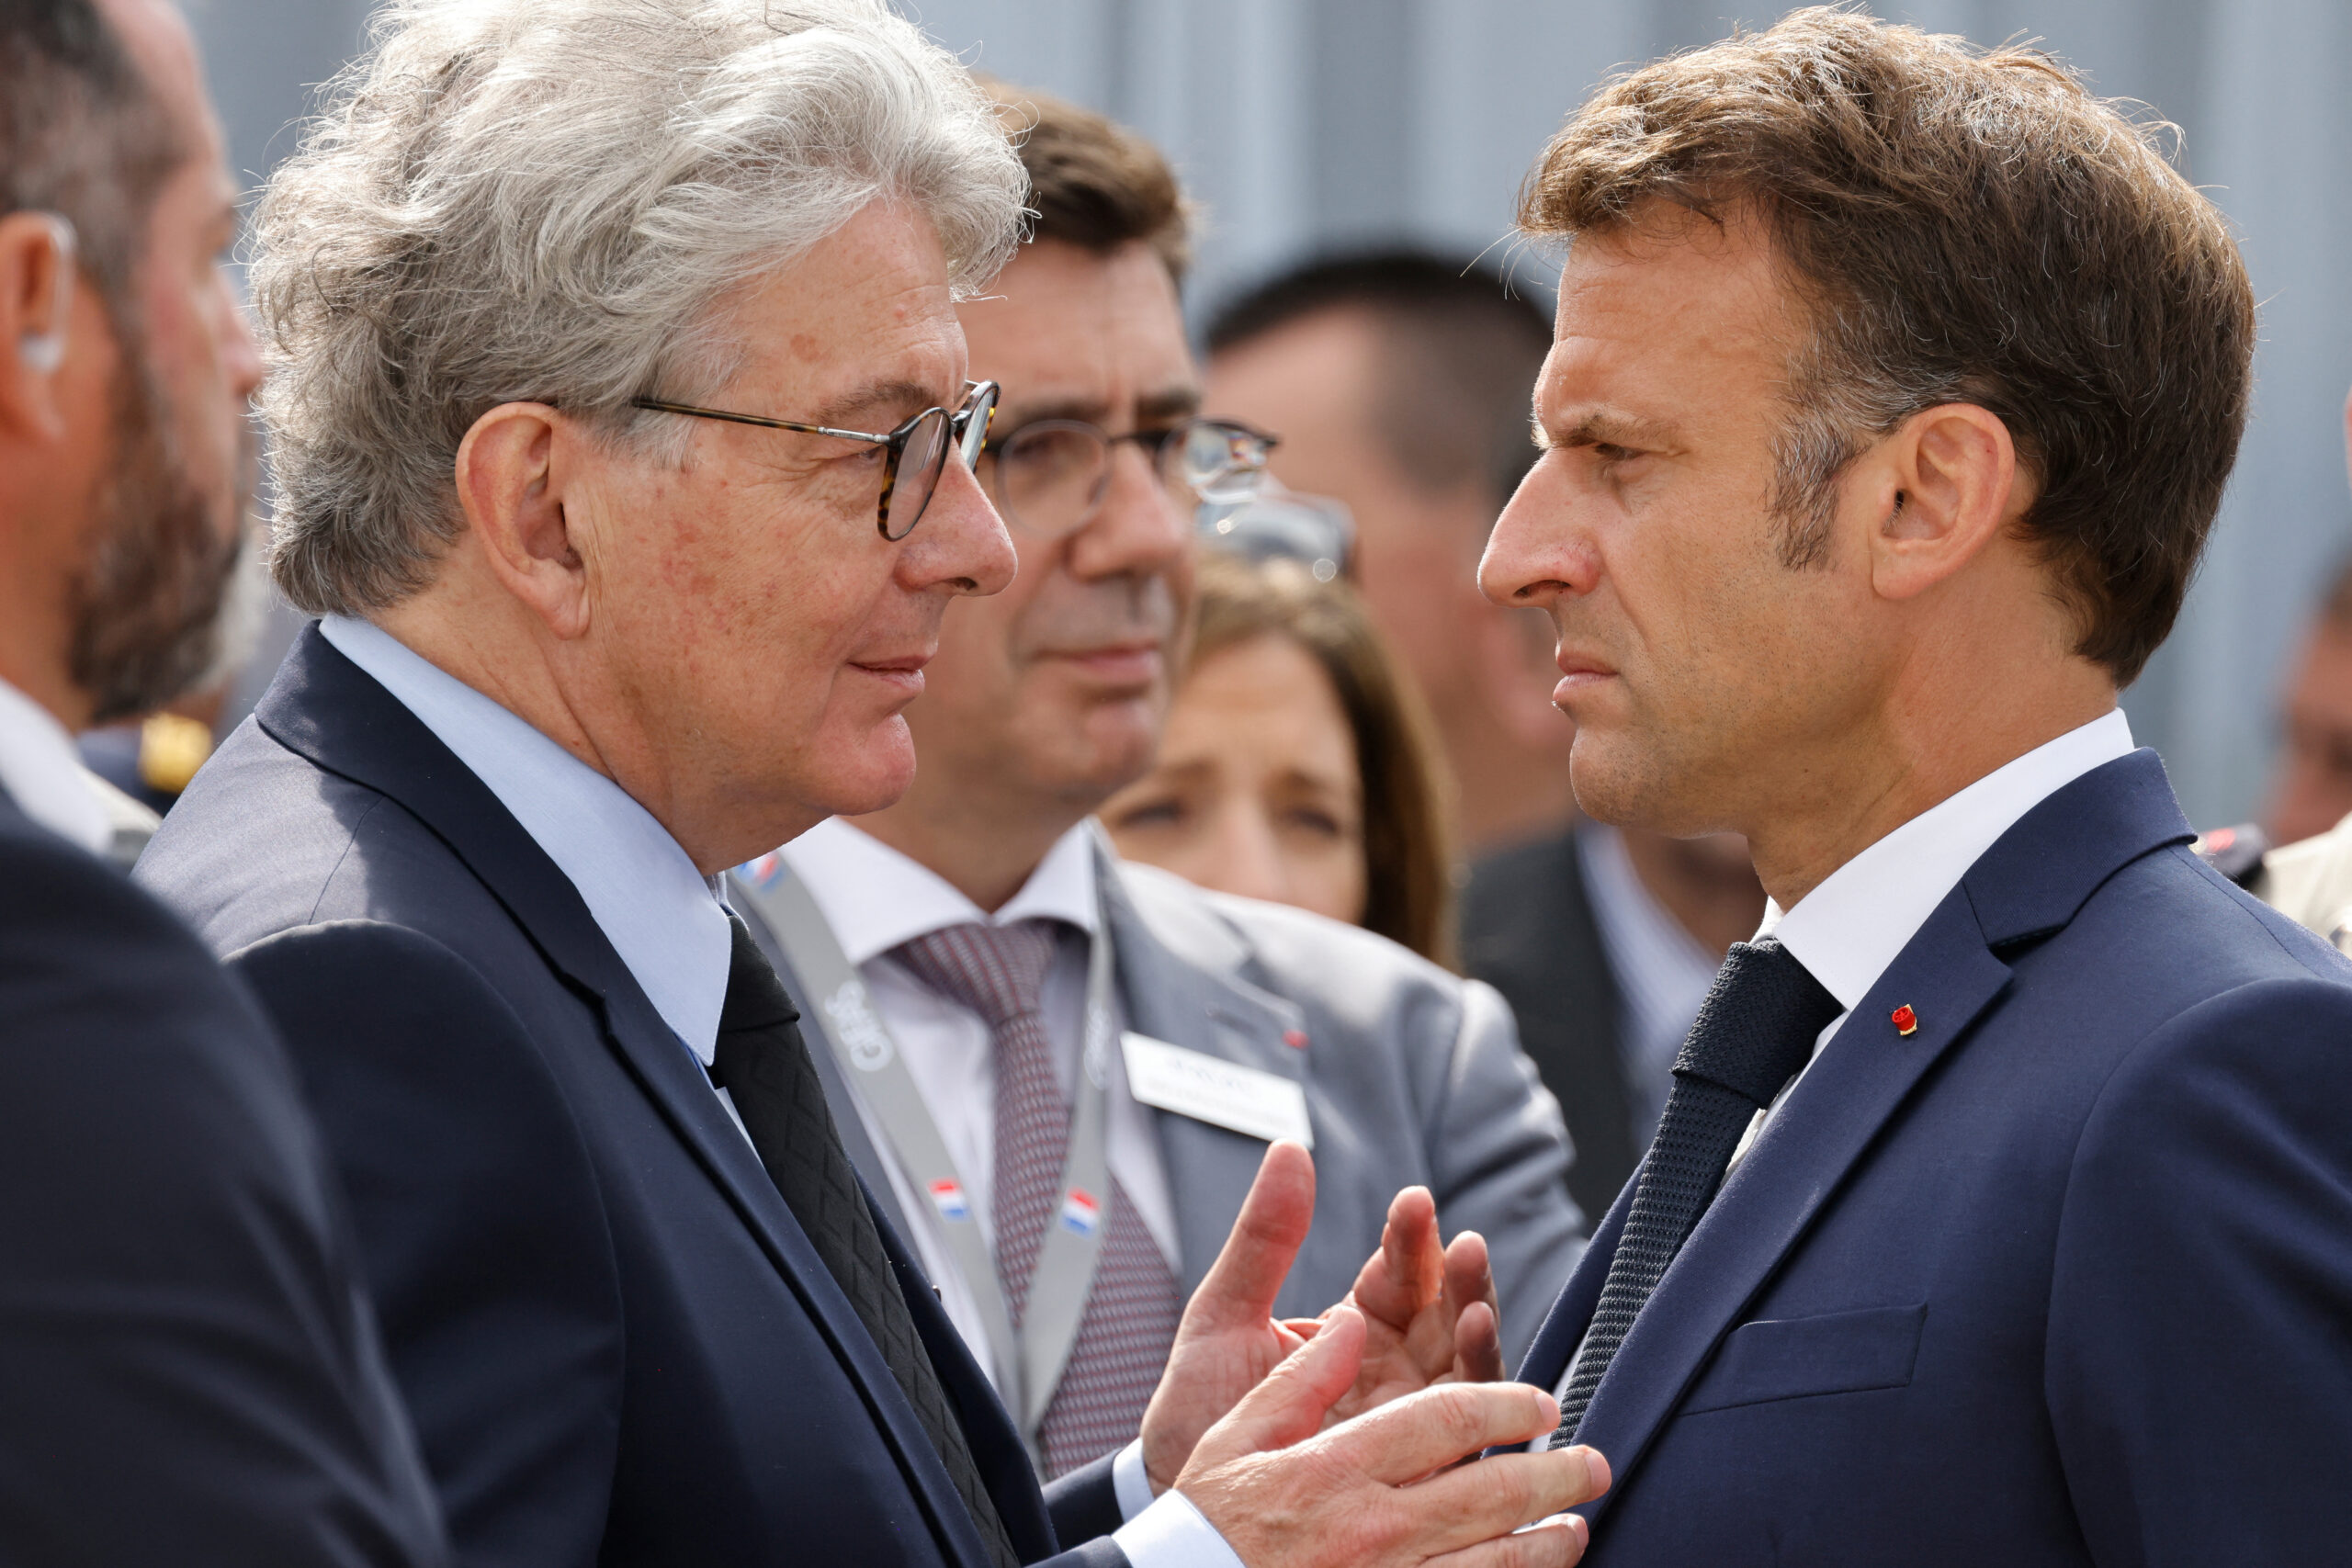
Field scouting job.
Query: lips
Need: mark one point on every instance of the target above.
(1574, 664)
(1117, 663)
(1579, 672)
(903, 671)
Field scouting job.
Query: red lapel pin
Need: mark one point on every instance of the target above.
(1294, 1038)
(1906, 1023)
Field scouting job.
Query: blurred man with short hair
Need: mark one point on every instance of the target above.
(1398, 383)
(189, 1369)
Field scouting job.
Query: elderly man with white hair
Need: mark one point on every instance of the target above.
(623, 442)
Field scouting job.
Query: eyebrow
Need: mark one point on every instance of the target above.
(1168, 404)
(1164, 406)
(1599, 427)
(885, 398)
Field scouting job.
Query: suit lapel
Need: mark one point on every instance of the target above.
(328, 710)
(1209, 1167)
(2030, 882)
(1813, 1141)
(1547, 1361)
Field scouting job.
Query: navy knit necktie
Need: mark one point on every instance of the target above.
(1755, 1031)
(763, 1065)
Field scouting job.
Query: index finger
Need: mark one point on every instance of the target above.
(1423, 1432)
(1407, 1271)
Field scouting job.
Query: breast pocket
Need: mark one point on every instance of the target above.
(1795, 1358)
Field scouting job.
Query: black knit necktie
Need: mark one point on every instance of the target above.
(1755, 1031)
(764, 1067)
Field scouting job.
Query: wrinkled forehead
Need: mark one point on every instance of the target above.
(1074, 334)
(859, 331)
(1680, 312)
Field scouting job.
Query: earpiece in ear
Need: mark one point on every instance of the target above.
(42, 352)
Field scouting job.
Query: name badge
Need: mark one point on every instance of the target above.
(1225, 1094)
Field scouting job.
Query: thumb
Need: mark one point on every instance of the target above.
(1288, 1406)
(1240, 1288)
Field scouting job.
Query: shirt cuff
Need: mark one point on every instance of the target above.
(1130, 1482)
(1172, 1533)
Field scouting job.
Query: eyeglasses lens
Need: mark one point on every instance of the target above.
(977, 415)
(1222, 465)
(920, 461)
(1050, 475)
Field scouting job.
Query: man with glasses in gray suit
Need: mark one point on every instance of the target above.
(1062, 1072)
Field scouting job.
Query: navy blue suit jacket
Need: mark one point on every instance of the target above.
(188, 1372)
(618, 1344)
(2064, 1278)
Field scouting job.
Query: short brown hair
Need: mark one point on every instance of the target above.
(1408, 863)
(1965, 226)
(1092, 182)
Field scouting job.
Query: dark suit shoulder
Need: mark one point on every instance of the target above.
(186, 1336)
(492, 1263)
(1507, 888)
(2200, 1285)
(203, 861)
(1529, 930)
(2172, 932)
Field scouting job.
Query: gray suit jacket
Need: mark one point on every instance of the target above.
(1413, 1074)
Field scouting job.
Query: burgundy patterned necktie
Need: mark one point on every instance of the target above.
(1130, 1324)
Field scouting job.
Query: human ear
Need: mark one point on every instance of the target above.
(1944, 485)
(510, 471)
(37, 284)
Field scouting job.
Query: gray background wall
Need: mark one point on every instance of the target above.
(1305, 124)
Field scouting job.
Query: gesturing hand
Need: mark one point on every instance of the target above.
(1228, 1338)
(1429, 1313)
(1385, 1488)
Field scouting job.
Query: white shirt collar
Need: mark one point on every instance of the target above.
(1849, 929)
(875, 897)
(661, 916)
(42, 772)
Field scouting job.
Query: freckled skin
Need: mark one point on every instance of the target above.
(1258, 790)
(775, 582)
(730, 639)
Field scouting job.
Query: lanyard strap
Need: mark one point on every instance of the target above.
(1029, 1362)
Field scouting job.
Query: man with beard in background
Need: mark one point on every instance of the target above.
(192, 1373)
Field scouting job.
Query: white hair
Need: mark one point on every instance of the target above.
(549, 200)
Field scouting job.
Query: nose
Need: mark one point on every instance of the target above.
(1538, 554)
(1239, 853)
(240, 353)
(960, 544)
(1139, 529)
